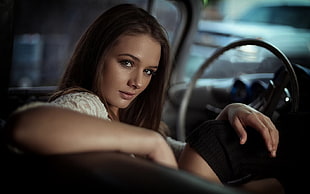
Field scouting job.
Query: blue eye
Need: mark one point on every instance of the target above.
(149, 72)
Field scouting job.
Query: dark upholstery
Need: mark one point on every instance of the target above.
(98, 172)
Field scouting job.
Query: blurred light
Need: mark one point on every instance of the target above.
(205, 3)
(247, 53)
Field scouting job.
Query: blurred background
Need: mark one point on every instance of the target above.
(45, 32)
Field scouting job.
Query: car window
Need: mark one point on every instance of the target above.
(169, 15)
(285, 26)
(295, 16)
(45, 33)
(233, 63)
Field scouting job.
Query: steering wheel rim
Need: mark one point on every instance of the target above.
(181, 129)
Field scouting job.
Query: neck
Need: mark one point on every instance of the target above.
(113, 113)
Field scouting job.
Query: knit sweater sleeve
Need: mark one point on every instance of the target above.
(83, 102)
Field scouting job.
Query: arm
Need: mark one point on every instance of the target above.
(241, 115)
(52, 130)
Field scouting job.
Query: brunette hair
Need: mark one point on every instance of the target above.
(84, 70)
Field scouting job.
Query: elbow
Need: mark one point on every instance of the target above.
(16, 130)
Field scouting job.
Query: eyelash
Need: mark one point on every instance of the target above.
(149, 72)
(126, 63)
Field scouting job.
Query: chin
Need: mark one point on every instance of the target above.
(124, 105)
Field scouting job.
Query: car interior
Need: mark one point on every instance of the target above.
(36, 39)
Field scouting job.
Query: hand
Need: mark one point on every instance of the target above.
(162, 152)
(241, 115)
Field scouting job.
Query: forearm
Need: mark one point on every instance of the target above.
(50, 130)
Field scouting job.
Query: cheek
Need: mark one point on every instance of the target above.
(147, 83)
(114, 79)
(111, 72)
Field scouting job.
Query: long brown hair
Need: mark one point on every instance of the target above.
(84, 70)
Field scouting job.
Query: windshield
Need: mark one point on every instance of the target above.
(295, 16)
(287, 27)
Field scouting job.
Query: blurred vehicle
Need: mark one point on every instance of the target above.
(285, 25)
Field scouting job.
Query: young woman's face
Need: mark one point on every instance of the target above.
(128, 69)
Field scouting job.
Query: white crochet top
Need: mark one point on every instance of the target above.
(83, 102)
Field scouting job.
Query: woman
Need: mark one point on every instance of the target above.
(111, 98)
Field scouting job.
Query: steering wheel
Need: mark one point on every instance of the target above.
(267, 102)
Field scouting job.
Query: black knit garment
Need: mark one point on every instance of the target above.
(217, 142)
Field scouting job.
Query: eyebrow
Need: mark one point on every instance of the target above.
(132, 56)
(136, 59)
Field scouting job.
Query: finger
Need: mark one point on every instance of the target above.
(274, 136)
(258, 123)
(237, 125)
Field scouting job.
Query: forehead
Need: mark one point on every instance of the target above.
(142, 46)
(137, 40)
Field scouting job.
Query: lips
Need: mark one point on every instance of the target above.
(127, 95)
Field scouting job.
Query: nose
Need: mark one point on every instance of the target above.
(136, 80)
